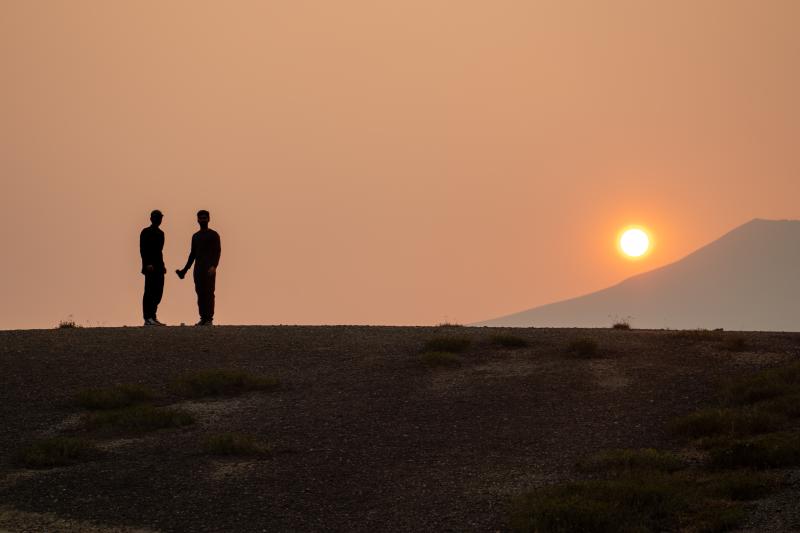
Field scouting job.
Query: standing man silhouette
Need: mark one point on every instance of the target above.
(151, 246)
(205, 252)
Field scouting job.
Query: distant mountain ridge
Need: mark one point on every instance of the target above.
(748, 279)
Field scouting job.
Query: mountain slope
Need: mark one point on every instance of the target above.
(749, 279)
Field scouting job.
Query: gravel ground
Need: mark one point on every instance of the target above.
(366, 437)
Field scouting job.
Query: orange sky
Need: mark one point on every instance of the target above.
(382, 162)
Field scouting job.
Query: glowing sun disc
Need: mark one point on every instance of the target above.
(634, 242)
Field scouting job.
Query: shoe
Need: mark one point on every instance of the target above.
(205, 323)
(158, 322)
(150, 322)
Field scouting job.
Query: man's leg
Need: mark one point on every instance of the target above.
(148, 310)
(198, 288)
(158, 292)
(204, 287)
(211, 282)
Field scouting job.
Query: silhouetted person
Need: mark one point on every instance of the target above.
(206, 249)
(151, 246)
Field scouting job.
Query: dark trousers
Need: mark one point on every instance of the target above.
(204, 284)
(153, 290)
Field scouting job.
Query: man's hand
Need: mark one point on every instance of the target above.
(149, 268)
(180, 273)
(212, 270)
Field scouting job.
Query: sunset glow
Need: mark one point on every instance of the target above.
(634, 242)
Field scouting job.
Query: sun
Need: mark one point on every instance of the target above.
(634, 242)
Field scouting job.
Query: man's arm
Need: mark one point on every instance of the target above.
(182, 273)
(144, 251)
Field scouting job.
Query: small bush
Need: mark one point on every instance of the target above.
(505, 340)
(651, 503)
(740, 485)
(583, 347)
(786, 406)
(227, 444)
(624, 325)
(448, 344)
(736, 344)
(776, 450)
(647, 502)
(764, 385)
(138, 419)
(726, 422)
(449, 325)
(697, 335)
(440, 359)
(56, 451)
(67, 324)
(222, 383)
(113, 397)
(625, 461)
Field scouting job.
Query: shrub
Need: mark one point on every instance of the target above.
(740, 485)
(222, 383)
(113, 397)
(449, 325)
(625, 461)
(56, 451)
(235, 444)
(736, 344)
(583, 347)
(448, 344)
(764, 385)
(697, 335)
(786, 406)
(138, 419)
(506, 340)
(69, 323)
(776, 450)
(440, 359)
(624, 324)
(650, 503)
(726, 422)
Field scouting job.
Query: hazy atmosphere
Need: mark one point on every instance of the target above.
(382, 162)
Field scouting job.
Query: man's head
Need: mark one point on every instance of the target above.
(203, 217)
(155, 217)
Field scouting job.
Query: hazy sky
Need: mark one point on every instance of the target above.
(403, 162)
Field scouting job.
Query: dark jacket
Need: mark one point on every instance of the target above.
(206, 249)
(151, 246)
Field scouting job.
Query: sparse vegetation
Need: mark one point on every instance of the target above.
(506, 340)
(451, 344)
(69, 323)
(648, 502)
(770, 384)
(583, 347)
(775, 450)
(651, 490)
(697, 335)
(736, 343)
(222, 382)
(726, 422)
(449, 325)
(626, 461)
(622, 324)
(232, 444)
(440, 359)
(138, 419)
(56, 451)
(738, 485)
(113, 397)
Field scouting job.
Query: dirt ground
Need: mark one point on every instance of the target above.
(367, 438)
